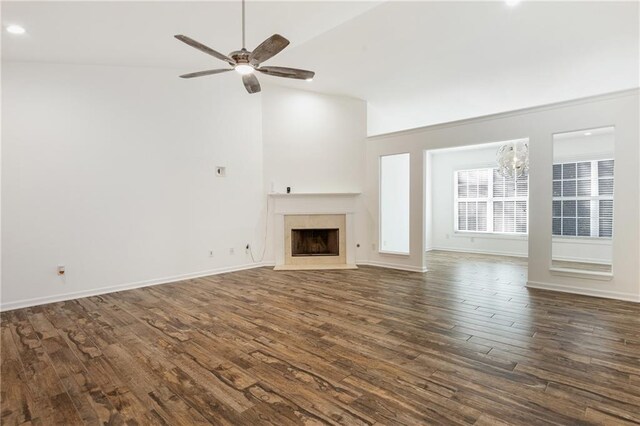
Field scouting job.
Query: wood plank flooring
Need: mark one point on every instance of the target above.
(465, 343)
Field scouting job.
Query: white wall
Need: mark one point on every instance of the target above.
(315, 143)
(110, 171)
(538, 124)
(428, 202)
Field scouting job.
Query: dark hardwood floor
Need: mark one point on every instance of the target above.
(465, 343)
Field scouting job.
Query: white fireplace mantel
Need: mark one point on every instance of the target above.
(318, 203)
(317, 194)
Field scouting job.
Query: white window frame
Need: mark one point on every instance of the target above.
(490, 200)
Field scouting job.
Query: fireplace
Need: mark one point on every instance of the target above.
(315, 242)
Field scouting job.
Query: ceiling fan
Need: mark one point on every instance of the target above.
(246, 62)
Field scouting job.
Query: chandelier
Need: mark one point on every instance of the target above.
(513, 159)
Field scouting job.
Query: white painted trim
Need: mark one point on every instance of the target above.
(490, 235)
(393, 266)
(25, 303)
(584, 291)
(476, 251)
(523, 111)
(581, 260)
(394, 253)
(576, 158)
(588, 241)
(582, 274)
(313, 213)
(514, 254)
(313, 194)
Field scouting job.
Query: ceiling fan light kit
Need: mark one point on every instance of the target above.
(244, 69)
(246, 63)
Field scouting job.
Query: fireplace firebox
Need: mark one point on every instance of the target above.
(315, 242)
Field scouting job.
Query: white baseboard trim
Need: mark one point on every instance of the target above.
(581, 260)
(392, 266)
(493, 252)
(630, 297)
(25, 303)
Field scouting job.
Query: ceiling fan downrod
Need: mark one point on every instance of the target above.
(243, 28)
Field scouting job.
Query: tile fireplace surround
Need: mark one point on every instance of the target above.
(314, 211)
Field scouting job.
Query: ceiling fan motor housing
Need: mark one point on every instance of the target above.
(241, 56)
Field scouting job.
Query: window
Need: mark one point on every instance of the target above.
(583, 199)
(394, 203)
(488, 202)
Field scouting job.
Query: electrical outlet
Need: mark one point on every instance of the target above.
(246, 249)
(373, 246)
(221, 171)
(210, 253)
(232, 251)
(61, 270)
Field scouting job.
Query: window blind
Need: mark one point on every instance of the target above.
(472, 200)
(583, 199)
(489, 202)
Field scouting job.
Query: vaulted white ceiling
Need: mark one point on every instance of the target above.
(420, 63)
(140, 33)
(415, 63)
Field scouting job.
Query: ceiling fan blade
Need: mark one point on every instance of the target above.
(251, 83)
(201, 47)
(268, 48)
(203, 73)
(287, 72)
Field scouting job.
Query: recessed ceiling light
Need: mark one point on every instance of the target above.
(15, 29)
(587, 133)
(512, 3)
